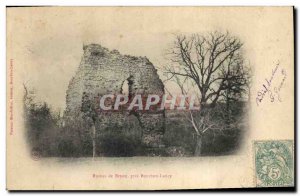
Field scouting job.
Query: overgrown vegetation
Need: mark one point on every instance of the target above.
(47, 135)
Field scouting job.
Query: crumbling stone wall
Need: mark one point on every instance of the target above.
(104, 72)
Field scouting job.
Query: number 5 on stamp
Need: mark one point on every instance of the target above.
(274, 163)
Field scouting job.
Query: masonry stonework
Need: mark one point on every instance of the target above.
(104, 72)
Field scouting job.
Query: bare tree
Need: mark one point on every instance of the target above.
(211, 66)
(213, 63)
(202, 121)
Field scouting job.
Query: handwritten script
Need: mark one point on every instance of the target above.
(270, 88)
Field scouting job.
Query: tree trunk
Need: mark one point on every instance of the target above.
(94, 140)
(198, 149)
(227, 108)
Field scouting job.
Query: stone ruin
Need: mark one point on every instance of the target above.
(104, 72)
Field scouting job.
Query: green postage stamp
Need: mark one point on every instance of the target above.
(274, 163)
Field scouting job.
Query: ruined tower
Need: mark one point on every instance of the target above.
(104, 72)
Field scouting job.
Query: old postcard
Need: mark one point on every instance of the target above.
(150, 98)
